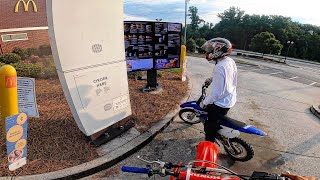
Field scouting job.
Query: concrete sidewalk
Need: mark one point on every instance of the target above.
(315, 109)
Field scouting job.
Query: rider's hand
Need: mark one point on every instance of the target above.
(202, 105)
(296, 177)
(208, 81)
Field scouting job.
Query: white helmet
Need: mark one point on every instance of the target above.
(217, 48)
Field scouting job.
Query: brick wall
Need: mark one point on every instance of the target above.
(9, 19)
(35, 39)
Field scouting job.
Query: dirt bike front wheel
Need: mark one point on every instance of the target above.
(189, 116)
(240, 150)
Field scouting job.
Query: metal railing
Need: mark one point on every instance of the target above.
(272, 57)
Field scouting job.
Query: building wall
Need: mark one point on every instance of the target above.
(11, 21)
(35, 39)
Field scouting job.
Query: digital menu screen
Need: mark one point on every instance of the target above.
(152, 45)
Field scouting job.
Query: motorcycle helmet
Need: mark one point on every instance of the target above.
(217, 48)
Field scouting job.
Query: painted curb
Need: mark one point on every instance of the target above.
(315, 110)
(112, 158)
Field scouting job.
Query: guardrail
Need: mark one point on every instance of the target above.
(272, 57)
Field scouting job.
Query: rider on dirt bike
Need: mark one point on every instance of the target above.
(224, 82)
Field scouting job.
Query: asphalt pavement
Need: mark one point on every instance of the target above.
(303, 71)
(267, 99)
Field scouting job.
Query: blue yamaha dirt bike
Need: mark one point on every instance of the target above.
(228, 135)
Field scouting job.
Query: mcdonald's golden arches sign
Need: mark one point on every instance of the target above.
(10, 81)
(26, 5)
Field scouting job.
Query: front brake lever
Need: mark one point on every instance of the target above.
(152, 162)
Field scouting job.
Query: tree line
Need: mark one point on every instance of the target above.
(261, 33)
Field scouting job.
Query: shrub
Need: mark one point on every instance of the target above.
(21, 52)
(2, 64)
(33, 51)
(191, 45)
(134, 75)
(49, 70)
(27, 70)
(45, 50)
(10, 58)
(200, 41)
(34, 59)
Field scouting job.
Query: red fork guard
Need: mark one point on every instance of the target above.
(207, 151)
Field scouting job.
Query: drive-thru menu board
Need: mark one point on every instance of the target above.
(152, 45)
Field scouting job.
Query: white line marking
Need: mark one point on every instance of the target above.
(246, 65)
(275, 73)
(312, 84)
(294, 77)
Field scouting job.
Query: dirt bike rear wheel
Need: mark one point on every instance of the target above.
(189, 116)
(241, 150)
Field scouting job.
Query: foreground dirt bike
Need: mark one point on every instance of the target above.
(204, 167)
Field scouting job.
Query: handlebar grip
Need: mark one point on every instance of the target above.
(135, 170)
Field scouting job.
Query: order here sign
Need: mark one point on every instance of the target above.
(87, 42)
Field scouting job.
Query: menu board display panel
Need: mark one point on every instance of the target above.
(152, 45)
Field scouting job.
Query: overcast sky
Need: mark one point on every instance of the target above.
(306, 11)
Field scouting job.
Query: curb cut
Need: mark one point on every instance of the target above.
(112, 158)
(315, 110)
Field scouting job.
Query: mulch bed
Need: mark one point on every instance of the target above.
(54, 140)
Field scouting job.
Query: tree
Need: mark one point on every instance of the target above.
(240, 29)
(266, 43)
(200, 41)
(191, 45)
(230, 25)
(195, 19)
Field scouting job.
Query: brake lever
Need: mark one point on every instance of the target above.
(162, 164)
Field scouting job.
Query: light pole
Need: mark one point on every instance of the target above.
(290, 43)
(185, 21)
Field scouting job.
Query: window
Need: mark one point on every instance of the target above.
(14, 37)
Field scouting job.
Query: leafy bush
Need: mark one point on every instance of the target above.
(45, 50)
(10, 58)
(134, 75)
(33, 51)
(49, 70)
(34, 59)
(27, 70)
(191, 45)
(200, 41)
(21, 52)
(2, 64)
(265, 43)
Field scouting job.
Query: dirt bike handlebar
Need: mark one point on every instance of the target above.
(203, 93)
(135, 170)
(164, 170)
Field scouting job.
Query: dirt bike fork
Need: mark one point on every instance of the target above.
(226, 143)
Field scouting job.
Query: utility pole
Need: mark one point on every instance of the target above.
(185, 21)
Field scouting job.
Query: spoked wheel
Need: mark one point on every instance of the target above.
(189, 116)
(240, 150)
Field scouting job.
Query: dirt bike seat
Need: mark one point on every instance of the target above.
(225, 120)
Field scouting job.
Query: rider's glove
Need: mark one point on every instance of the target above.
(202, 105)
(208, 81)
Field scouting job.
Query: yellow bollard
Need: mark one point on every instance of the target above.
(8, 93)
(183, 63)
